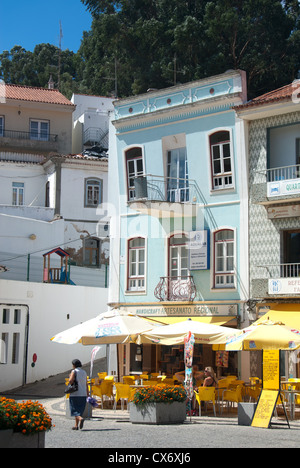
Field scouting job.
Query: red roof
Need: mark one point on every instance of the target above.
(281, 94)
(29, 93)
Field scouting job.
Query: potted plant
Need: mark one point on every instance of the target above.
(158, 405)
(23, 425)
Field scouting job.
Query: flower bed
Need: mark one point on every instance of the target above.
(158, 405)
(159, 394)
(27, 418)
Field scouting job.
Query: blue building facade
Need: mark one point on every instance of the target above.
(178, 198)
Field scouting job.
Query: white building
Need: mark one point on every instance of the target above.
(90, 122)
(49, 198)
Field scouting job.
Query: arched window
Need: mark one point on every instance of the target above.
(136, 264)
(221, 160)
(224, 259)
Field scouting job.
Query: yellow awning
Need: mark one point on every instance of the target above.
(289, 314)
(215, 320)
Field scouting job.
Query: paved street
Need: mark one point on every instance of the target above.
(112, 430)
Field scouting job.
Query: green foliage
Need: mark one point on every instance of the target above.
(134, 45)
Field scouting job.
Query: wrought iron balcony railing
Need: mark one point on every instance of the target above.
(163, 189)
(178, 288)
(19, 135)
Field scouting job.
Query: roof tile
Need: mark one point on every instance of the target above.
(280, 94)
(28, 93)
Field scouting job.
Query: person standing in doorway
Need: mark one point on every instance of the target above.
(78, 398)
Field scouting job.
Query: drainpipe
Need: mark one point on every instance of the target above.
(57, 163)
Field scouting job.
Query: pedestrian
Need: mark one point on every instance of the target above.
(78, 399)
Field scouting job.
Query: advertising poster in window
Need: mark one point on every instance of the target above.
(199, 250)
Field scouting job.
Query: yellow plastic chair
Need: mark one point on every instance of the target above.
(128, 379)
(206, 394)
(232, 396)
(144, 376)
(109, 378)
(151, 383)
(105, 389)
(123, 392)
(102, 375)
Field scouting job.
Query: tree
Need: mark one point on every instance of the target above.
(34, 68)
(158, 42)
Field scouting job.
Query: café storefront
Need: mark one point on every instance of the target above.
(152, 358)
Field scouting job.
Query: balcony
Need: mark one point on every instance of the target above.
(280, 183)
(159, 196)
(94, 136)
(277, 280)
(179, 288)
(13, 139)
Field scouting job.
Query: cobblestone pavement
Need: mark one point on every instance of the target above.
(113, 431)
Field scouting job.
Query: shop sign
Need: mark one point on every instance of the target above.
(278, 212)
(178, 310)
(284, 286)
(283, 187)
(199, 250)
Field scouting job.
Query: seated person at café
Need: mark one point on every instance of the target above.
(210, 379)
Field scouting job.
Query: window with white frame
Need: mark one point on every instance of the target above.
(135, 168)
(93, 192)
(136, 264)
(39, 130)
(224, 259)
(1, 126)
(18, 193)
(221, 160)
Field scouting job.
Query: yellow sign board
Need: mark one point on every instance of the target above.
(271, 370)
(265, 408)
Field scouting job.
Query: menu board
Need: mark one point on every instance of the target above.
(265, 408)
(271, 370)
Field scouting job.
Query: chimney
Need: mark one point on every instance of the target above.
(50, 83)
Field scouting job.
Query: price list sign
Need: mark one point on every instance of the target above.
(270, 393)
(271, 370)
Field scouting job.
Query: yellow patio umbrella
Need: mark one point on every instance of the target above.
(264, 335)
(204, 333)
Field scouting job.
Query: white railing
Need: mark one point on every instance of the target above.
(282, 270)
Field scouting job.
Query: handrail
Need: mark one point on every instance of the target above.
(35, 136)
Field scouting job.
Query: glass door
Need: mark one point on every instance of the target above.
(177, 182)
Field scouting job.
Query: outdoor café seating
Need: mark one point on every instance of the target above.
(123, 392)
(104, 390)
(206, 394)
(128, 379)
(232, 396)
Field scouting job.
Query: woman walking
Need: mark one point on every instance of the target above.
(78, 398)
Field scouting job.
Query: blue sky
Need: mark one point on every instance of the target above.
(31, 22)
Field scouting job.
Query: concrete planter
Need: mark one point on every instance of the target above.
(245, 413)
(158, 413)
(18, 440)
(5, 436)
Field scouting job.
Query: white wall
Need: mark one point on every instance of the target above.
(52, 308)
